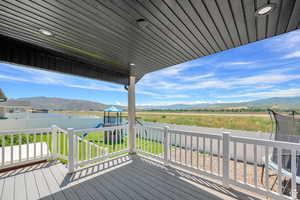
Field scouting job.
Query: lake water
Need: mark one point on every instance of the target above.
(44, 120)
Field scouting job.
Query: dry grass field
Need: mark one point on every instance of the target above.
(239, 121)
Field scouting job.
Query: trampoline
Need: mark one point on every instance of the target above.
(287, 129)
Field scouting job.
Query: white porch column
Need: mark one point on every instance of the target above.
(131, 115)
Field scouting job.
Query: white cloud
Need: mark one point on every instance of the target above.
(266, 78)
(295, 54)
(196, 78)
(12, 78)
(292, 92)
(238, 63)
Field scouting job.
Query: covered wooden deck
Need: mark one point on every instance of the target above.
(122, 178)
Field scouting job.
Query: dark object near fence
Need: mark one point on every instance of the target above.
(286, 129)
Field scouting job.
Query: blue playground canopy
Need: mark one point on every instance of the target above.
(113, 109)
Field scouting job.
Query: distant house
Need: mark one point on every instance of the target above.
(11, 104)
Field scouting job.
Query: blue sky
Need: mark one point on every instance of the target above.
(268, 68)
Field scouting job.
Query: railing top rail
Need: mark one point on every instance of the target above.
(270, 143)
(25, 131)
(197, 134)
(88, 130)
(150, 128)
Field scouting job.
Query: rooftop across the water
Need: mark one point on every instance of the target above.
(113, 109)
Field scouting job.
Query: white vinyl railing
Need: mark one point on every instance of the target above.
(77, 147)
(24, 146)
(215, 155)
(91, 145)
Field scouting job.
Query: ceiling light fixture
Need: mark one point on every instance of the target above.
(131, 64)
(265, 10)
(142, 23)
(45, 32)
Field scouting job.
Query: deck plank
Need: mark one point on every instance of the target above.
(2, 180)
(139, 179)
(20, 190)
(60, 179)
(140, 187)
(174, 182)
(8, 188)
(111, 188)
(54, 188)
(31, 186)
(43, 188)
(155, 184)
(77, 188)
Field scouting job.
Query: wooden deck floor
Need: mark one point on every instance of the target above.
(120, 179)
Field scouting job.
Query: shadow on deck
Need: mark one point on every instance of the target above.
(121, 178)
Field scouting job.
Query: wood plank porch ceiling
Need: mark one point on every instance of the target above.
(104, 35)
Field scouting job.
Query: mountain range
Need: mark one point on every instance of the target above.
(273, 103)
(52, 103)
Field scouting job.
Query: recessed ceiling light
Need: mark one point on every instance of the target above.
(131, 64)
(265, 10)
(45, 32)
(142, 23)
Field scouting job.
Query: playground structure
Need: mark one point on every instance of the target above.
(112, 116)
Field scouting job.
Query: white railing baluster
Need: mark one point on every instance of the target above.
(180, 148)
(279, 158)
(98, 152)
(267, 168)
(245, 162)
(83, 148)
(54, 140)
(3, 150)
(211, 155)
(294, 174)
(255, 164)
(155, 144)
(88, 150)
(235, 160)
(166, 145)
(219, 155)
(76, 153)
(203, 154)
(176, 147)
(41, 143)
(185, 148)
(197, 152)
(191, 141)
(11, 149)
(20, 148)
(170, 146)
(226, 159)
(27, 147)
(65, 144)
(59, 142)
(71, 150)
(47, 143)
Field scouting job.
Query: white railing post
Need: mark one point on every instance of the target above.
(166, 145)
(71, 150)
(226, 159)
(54, 141)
